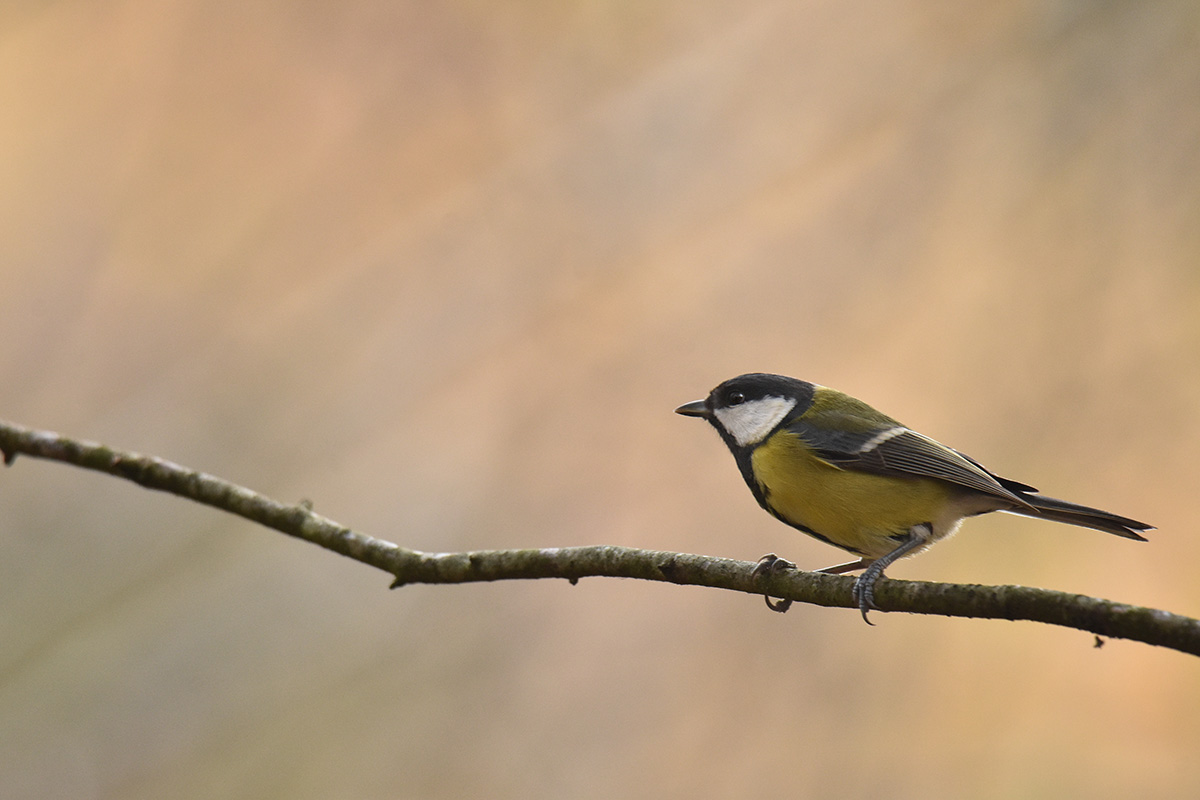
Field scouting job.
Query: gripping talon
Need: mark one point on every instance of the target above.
(781, 605)
(864, 594)
(769, 565)
(864, 585)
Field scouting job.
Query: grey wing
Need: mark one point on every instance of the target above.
(900, 451)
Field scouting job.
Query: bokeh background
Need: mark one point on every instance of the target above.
(446, 268)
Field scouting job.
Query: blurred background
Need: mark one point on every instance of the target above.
(446, 269)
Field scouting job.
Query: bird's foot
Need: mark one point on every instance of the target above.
(769, 565)
(864, 591)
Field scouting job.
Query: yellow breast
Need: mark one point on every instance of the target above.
(858, 511)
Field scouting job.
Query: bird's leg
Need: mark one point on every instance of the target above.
(864, 585)
(771, 564)
(850, 566)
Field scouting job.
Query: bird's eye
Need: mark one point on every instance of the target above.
(735, 399)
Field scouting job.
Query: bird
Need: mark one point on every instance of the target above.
(833, 467)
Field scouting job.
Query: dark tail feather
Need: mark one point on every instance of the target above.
(1072, 514)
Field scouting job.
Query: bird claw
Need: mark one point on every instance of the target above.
(864, 594)
(769, 565)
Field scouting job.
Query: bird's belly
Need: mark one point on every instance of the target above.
(862, 512)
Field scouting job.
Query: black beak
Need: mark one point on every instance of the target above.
(696, 408)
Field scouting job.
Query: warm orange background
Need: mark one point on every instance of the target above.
(446, 268)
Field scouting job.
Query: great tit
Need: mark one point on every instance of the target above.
(837, 469)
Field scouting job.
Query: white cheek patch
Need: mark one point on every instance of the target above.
(750, 422)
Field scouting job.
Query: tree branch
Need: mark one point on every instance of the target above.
(1101, 617)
